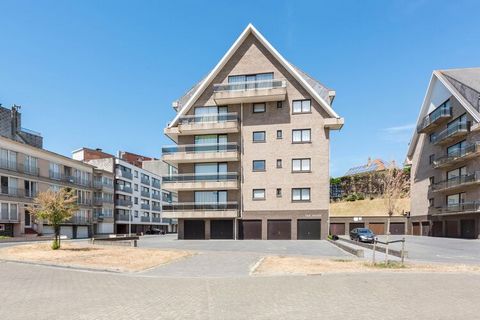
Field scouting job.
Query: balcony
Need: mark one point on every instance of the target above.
(145, 206)
(79, 220)
(98, 184)
(122, 217)
(452, 133)
(123, 174)
(145, 219)
(156, 219)
(458, 208)
(98, 201)
(204, 124)
(18, 167)
(249, 92)
(123, 202)
(207, 181)
(145, 180)
(123, 188)
(437, 117)
(145, 194)
(157, 208)
(456, 182)
(457, 156)
(200, 153)
(156, 196)
(201, 210)
(156, 184)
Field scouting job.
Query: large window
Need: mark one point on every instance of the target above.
(455, 199)
(301, 106)
(258, 165)
(258, 194)
(301, 135)
(250, 78)
(8, 159)
(259, 136)
(301, 165)
(301, 194)
(210, 197)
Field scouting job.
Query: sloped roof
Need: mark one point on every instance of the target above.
(463, 84)
(186, 102)
(370, 166)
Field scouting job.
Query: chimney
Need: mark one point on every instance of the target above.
(16, 120)
(369, 162)
(99, 149)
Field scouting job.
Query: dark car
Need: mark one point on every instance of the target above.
(362, 235)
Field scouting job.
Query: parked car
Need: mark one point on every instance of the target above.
(362, 235)
(154, 231)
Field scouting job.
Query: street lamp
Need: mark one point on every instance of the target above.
(130, 220)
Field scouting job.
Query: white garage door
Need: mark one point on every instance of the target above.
(105, 228)
(47, 230)
(66, 231)
(82, 232)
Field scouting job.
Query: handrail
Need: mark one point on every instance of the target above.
(460, 126)
(456, 181)
(460, 207)
(460, 152)
(207, 147)
(445, 109)
(250, 85)
(214, 206)
(187, 177)
(209, 118)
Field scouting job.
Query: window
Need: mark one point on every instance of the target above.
(279, 104)
(279, 134)
(301, 165)
(259, 136)
(258, 165)
(431, 158)
(241, 79)
(136, 214)
(458, 149)
(301, 136)
(136, 173)
(258, 194)
(430, 202)
(432, 180)
(301, 106)
(258, 107)
(301, 194)
(279, 192)
(135, 200)
(431, 137)
(455, 199)
(135, 186)
(279, 163)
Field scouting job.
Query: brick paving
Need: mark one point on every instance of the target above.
(33, 292)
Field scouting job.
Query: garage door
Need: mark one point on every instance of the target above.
(308, 229)
(82, 232)
(397, 228)
(416, 228)
(250, 229)
(67, 231)
(425, 228)
(193, 229)
(437, 229)
(354, 225)
(337, 229)
(451, 229)
(279, 230)
(48, 230)
(468, 229)
(377, 227)
(221, 229)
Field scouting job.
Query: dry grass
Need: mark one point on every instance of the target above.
(281, 265)
(367, 207)
(123, 259)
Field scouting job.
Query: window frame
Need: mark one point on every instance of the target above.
(301, 165)
(302, 189)
(279, 134)
(259, 104)
(259, 141)
(301, 136)
(259, 189)
(279, 161)
(259, 161)
(301, 101)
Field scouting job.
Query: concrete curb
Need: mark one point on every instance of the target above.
(77, 268)
(356, 252)
(393, 252)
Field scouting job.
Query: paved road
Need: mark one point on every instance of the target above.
(50, 293)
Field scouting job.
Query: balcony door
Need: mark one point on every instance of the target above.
(214, 142)
(210, 171)
(211, 114)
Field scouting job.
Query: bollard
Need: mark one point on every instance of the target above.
(135, 243)
(374, 247)
(403, 251)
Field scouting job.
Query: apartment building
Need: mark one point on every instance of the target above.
(252, 149)
(137, 193)
(26, 170)
(444, 151)
(103, 204)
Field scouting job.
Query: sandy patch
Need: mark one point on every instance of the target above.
(123, 259)
(281, 265)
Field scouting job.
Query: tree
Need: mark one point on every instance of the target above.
(55, 207)
(395, 185)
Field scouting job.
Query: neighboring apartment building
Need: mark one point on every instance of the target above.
(252, 149)
(137, 192)
(26, 170)
(11, 127)
(445, 185)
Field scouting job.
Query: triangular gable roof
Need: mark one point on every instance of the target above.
(250, 29)
(440, 75)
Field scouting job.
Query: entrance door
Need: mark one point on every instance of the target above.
(28, 220)
(308, 229)
(193, 229)
(279, 230)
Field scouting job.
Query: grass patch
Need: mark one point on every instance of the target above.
(388, 265)
(4, 237)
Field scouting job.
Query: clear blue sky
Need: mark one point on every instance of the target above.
(104, 73)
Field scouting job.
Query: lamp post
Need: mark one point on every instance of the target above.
(130, 220)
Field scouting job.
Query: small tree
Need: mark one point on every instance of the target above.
(55, 207)
(395, 185)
